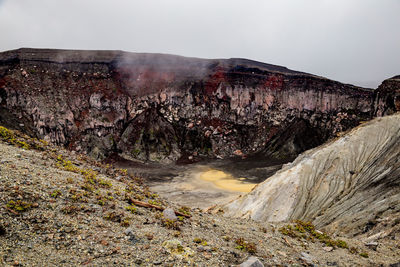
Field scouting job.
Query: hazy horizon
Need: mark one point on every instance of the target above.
(352, 41)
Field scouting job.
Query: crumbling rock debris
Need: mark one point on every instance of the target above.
(319, 187)
(252, 262)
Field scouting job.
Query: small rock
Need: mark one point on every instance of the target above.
(169, 214)
(319, 232)
(138, 261)
(129, 232)
(328, 249)
(252, 262)
(332, 263)
(307, 258)
(372, 245)
(157, 262)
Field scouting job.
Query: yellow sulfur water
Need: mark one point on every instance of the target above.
(226, 181)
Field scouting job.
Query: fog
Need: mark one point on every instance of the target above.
(353, 41)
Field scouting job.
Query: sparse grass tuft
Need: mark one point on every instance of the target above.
(18, 205)
(125, 222)
(171, 224)
(246, 246)
(55, 194)
(307, 231)
(185, 210)
(131, 208)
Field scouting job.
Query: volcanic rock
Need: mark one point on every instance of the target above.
(252, 262)
(349, 185)
(161, 107)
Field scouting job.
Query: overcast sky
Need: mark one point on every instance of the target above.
(353, 41)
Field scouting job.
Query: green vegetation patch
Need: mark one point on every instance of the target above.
(307, 231)
(18, 205)
(246, 246)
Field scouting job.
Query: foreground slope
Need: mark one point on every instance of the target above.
(351, 184)
(61, 209)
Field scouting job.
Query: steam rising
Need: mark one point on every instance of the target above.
(351, 41)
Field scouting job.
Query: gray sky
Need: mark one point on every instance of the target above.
(353, 41)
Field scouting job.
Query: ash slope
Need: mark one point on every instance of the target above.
(165, 108)
(350, 185)
(53, 214)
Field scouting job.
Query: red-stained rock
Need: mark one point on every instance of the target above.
(159, 107)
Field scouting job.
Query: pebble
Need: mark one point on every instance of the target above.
(328, 249)
(157, 262)
(129, 231)
(169, 214)
(372, 245)
(252, 262)
(307, 258)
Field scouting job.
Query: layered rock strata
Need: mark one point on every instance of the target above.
(350, 184)
(164, 108)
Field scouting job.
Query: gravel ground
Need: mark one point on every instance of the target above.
(59, 208)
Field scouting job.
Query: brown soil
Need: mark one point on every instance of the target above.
(60, 213)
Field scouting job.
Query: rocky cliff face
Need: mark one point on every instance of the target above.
(350, 185)
(164, 107)
(388, 96)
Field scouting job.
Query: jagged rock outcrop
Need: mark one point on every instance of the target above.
(163, 107)
(350, 184)
(388, 96)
